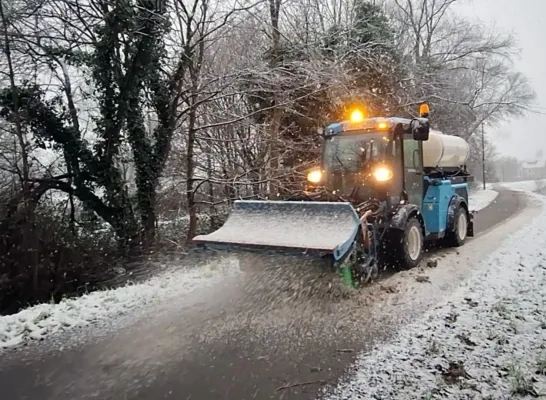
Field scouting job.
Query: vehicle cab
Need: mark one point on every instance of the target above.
(373, 158)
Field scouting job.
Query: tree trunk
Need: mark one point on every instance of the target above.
(149, 220)
(192, 225)
(276, 119)
(274, 153)
(147, 202)
(209, 175)
(127, 232)
(195, 71)
(30, 242)
(190, 170)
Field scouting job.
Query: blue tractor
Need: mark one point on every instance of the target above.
(385, 186)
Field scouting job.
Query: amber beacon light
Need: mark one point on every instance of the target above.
(424, 110)
(357, 116)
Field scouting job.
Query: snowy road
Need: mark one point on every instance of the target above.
(486, 341)
(127, 303)
(236, 343)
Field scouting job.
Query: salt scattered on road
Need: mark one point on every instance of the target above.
(479, 199)
(44, 320)
(488, 341)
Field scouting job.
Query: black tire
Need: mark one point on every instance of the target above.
(456, 237)
(399, 243)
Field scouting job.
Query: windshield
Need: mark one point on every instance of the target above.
(352, 153)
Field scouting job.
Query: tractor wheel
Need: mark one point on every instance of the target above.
(409, 246)
(456, 236)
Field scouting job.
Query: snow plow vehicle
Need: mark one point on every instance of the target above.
(385, 186)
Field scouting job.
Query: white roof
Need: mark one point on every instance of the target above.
(534, 164)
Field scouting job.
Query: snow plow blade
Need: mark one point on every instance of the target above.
(323, 227)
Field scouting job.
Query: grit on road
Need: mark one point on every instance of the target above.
(237, 340)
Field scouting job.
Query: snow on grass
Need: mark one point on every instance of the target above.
(44, 320)
(479, 199)
(487, 342)
(526, 186)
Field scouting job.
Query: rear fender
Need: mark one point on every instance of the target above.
(456, 202)
(403, 214)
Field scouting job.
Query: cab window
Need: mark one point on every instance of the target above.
(412, 157)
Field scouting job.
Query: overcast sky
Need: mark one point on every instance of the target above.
(527, 20)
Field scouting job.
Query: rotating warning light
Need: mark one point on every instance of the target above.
(357, 116)
(424, 110)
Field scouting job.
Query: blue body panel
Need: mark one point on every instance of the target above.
(436, 203)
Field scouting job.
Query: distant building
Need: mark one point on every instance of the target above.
(533, 170)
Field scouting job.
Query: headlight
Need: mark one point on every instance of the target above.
(382, 174)
(314, 176)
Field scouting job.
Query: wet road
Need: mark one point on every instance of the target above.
(238, 344)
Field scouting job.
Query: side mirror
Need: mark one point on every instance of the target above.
(398, 132)
(420, 129)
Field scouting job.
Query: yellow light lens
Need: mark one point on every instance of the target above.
(424, 109)
(382, 125)
(357, 116)
(382, 174)
(314, 176)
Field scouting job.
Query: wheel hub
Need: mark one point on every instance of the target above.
(414, 243)
(462, 226)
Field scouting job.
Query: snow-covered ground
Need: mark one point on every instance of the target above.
(479, 184)
(109, 306)
(526, 186)
(488, 341)
(100, 307)
(479, 199)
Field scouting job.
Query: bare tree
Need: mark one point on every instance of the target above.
(126, 65)
(462, 68)
(19, 209)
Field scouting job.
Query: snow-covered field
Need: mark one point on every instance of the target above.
(487, 342)
(479, 199)
(526, 186)
(108, 306)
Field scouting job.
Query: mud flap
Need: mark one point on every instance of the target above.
(470, 229)
(323, 227)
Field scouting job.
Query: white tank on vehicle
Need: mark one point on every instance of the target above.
(444, 151)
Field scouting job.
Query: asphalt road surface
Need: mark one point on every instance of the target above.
(239, 344)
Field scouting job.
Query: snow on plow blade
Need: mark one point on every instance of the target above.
(325, 227)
